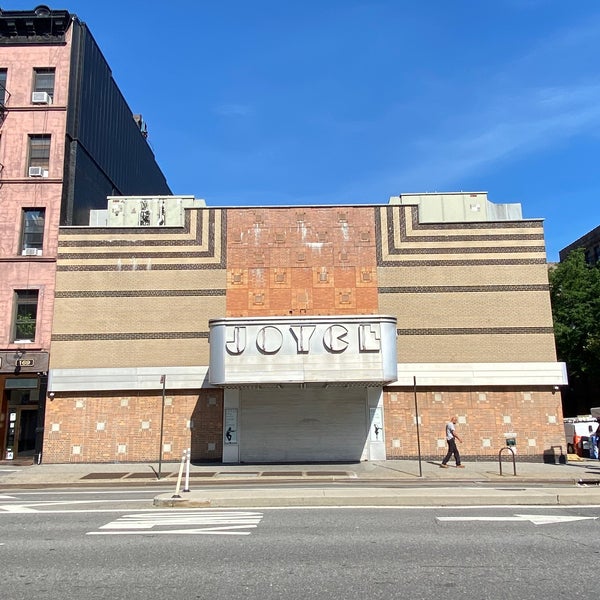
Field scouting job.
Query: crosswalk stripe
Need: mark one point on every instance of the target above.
(199, 522)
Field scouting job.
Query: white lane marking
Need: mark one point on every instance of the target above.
(535, 519)
(206, 522)
(549, 519)
(7, 497)
(171, 532)
(82, 493)
(91, 511)
(32, 506)
(17, 508)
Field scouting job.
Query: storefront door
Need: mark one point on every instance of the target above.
(21, 417)
(20, 440)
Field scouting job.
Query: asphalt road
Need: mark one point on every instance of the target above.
(69, 546)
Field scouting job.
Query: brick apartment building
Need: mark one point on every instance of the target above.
(303, 333)
(590, 242)
(67, 141)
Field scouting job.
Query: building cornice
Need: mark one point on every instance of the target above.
(40, 26)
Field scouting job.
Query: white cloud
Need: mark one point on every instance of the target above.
(512, 127)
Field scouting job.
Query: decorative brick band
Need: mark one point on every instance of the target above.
(155, 267)
(477, 331)
(497, 231)
(470, 250)
(468, 225)
(151, 335)
(166, 238)
(139, 293)
(134, 255)
(106, 235)
(459, 263)
(443, 289)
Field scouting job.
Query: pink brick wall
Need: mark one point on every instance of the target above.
(19, 191)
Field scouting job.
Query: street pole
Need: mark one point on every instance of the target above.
(163, 380)
(417, 420)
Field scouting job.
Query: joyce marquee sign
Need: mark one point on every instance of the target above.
(300, 350)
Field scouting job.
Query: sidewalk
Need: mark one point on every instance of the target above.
(402, 482)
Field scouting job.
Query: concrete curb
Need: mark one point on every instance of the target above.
(382, 497)
(267, 481)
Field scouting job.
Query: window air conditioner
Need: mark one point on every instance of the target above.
(31, 252)
(36, 171)
(41, 98)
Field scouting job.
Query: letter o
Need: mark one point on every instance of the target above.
(269, 340)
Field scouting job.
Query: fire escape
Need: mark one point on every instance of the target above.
(4, 96)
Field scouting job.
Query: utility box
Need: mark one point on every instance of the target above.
(511, 441)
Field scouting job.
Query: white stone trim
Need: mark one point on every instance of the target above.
(427, 374)
(482, 374)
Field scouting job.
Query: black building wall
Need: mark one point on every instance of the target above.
(105, 151)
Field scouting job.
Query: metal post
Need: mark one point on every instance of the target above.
(188, 457)
(163, 380)
(417, 420)
(178, 486)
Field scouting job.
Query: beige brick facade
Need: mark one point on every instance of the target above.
(461, 293)
(145, 301)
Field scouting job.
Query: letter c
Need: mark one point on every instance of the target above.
(333, 339)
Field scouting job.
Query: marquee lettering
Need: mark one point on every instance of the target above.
(269, 340)
(335, 339)
(302, 335)
(235, 342)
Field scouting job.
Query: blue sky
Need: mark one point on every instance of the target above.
(263, 102)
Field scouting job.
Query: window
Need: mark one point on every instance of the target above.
(32, 239)
(43, 81)
(39, 154)
(26, 303)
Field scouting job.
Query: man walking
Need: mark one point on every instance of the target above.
(593, 441)
(451, 437)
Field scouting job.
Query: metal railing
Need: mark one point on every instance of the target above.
(4, 96)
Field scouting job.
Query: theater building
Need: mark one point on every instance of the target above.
(303, 333)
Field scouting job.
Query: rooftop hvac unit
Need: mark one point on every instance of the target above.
(31, 252)
(41, 98)
(36, 171)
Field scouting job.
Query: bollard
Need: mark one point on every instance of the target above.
(183, 457)
(188, 454)
(513, 459)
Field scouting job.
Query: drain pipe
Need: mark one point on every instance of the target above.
(163, 380)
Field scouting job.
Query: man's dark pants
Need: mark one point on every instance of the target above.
(452, 449)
